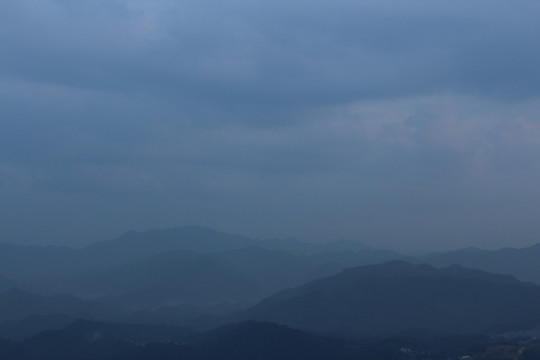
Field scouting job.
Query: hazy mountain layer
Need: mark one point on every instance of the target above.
(17, 261)
(241, 276)
(521, 263)
(6, 284)
(399, 297)
(166, 279)
(33, 324)
(16, 305)
(29, 262)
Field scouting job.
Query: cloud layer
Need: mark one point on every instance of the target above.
(402, 124)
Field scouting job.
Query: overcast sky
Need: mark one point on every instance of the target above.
(412, 125)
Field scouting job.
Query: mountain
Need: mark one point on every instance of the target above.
(33, 263)
(341, 245)
(183, 277)
(136, 245)
(194, 316)
(524, 263)
(96, 341)
(6, 284)
(161, 280)
(296, 246)
(27, 262)
(241, 276)
(331, 263)
(22, 262)
(17, 304)
(133, 333)
(271, 270)
(275, 270)
(245, 341)
(399, 297)
(251, 340)
(33, 324)
(259, 340)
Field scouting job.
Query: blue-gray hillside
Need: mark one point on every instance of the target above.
(31, 262)
(24, 262)
(399, 297)
(523, 263)
(240, 276)
(17, 305)
(165, 279)
(6, 284)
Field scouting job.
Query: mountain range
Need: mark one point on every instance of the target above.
(243, 341)
(16, 304)
(399, 298)
(196, 276)
(26, 262)
(523, 263)
(6, 284)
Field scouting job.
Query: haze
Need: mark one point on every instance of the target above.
(405, 125)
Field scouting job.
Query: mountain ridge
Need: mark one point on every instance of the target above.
(401, 297)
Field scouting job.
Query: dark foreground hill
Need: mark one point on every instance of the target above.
(88, 340)
(244, 341)
(399, 297)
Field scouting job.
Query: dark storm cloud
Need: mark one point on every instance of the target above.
(390, 121)
(258, 53)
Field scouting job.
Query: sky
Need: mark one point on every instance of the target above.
(412, 125)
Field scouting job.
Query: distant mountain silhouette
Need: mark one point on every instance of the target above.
(164, 279)
(296, 246)
(183, 277)
(128, 332)
(17, 304)
(21, 262)
(194, 316)
(136, 245)
(6, 284)
(242, 275)
(18, 261)
(271, 270)
(399, 297)
(30, 262)
(33, 324)
(275, 270)
(524, 263)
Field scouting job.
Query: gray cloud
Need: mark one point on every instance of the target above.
(257, 53)
(403, 124)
